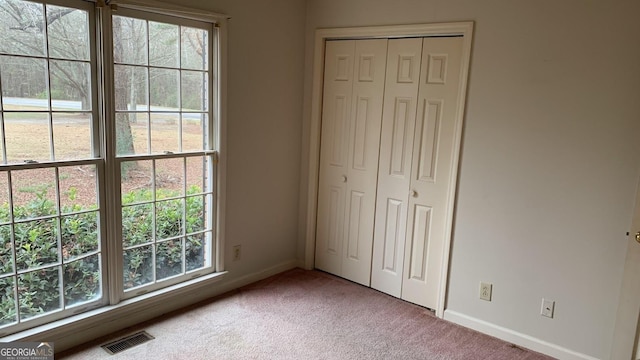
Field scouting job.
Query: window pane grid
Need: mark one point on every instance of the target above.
(81, 257)
(142, 245)
(144, 202)
(43, 57)
(28, 220)
(6, 276)
(58, 267)
(49, 206)
(67, 232)
(158, 67)
(38, 268)
(32, 117)
(170, 239)
(164, 101)
(179, 207)
(51, 191)
(148, 202)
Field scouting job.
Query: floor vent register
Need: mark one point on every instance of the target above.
(127, 342)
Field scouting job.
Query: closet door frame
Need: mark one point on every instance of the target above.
(464, 29)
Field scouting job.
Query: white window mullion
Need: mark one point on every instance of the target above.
(45, 30)
(97, 96)
(215, 245)
(183, 239)
(154, 211)
(61, 286)
(217, 139)
(112, 242)
(13, 245)
(58, 219)
(99, 144)
(213, 110)
(148, 68)
(2, 132)
(180, 102)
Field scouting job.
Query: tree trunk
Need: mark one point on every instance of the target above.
(124, 135)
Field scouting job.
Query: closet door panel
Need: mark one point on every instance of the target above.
(433, 163)
(394, 172)
(362, 165)
(334, 154)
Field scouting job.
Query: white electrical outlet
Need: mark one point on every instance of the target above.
(485, 291)
(236, 253)
(547, 308)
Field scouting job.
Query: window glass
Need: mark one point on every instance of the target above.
(55, 138)
(50, 241)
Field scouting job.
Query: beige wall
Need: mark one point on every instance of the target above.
(550, 156)
(264, 105)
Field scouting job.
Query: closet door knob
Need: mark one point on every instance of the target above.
(344, 178)
(414, 193)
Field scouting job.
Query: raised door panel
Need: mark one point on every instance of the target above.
(394, 171)
(362, 171)
(418, 243)
(394, 213)
(432, 184)
(334, 154)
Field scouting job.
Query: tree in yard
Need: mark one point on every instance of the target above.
(147, 57)
(129, 46)
(66, 36)
(23, 32)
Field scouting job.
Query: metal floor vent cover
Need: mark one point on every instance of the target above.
(127, 342)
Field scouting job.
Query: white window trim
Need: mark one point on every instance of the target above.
(117, 293)
(120, 314)
(170, 9)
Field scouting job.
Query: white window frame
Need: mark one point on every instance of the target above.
(217, 42)
(95, 160)
(115, 304)
(113, 183)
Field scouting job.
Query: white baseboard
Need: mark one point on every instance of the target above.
(256, 276)
(514, 337)
(85, 327)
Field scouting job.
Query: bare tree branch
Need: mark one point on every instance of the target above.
(26, 24)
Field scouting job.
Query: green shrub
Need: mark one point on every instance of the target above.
(37, 246)
(137, 229)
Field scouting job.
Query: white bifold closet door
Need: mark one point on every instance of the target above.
(352, 113)
(416, 167)
(432, 170)
(394, 177)
(388, 144)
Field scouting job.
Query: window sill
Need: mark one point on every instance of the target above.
(89, 325)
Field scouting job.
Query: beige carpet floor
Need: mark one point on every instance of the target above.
(306, 315)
